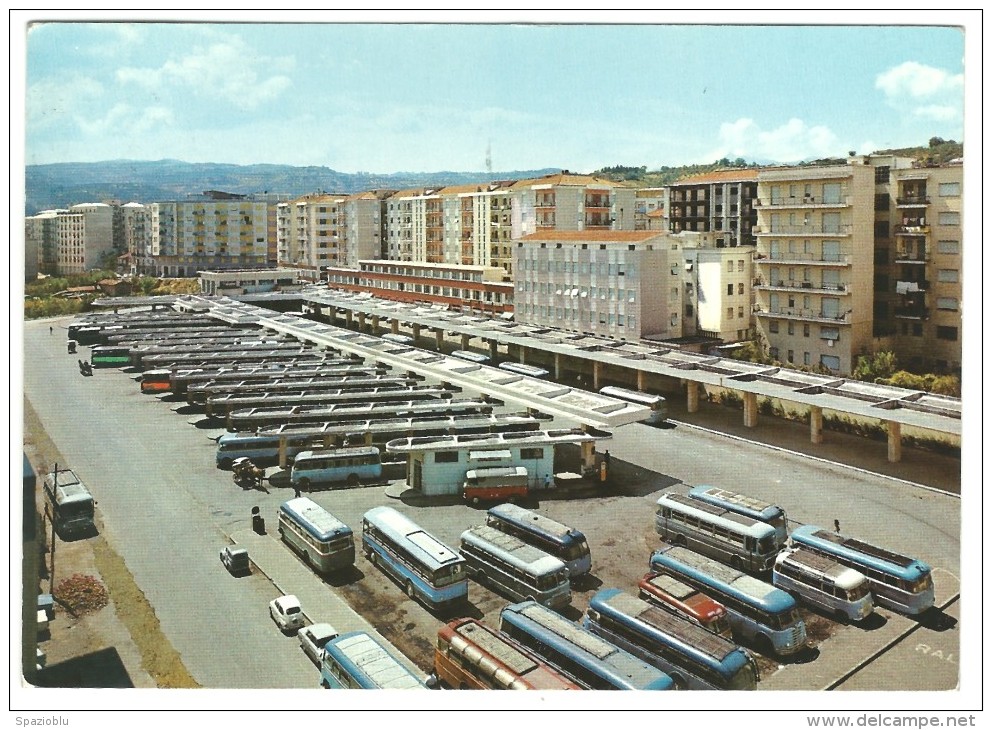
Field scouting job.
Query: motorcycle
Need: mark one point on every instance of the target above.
(246, 474)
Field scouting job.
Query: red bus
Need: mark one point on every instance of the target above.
(496, 483)
(684, 600)
(470, 655)
(156, 381)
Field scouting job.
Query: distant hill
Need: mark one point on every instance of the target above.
(63, 184)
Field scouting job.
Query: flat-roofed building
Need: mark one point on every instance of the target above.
(41, 243)
(720, 202)
(621, 284)
(814, 263)
(74, 240)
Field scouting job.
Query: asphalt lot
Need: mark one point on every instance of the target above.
(150, 463)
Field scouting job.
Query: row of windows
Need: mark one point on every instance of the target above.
(605, 318)
(575, 267)
(830, 362)
(603, 292)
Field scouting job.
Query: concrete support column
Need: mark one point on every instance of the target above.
(640, 380)
(523, 355)
(375, 324)
(557, 366)
(816, 425)
(588, 456)
(597, 368)
(895, 441)
(750, 410)
(439, 338)
(493, 351)
(692, 396)
(416, 331)
(465, 341)
(361, 321)
(394, 326)
(348, 318)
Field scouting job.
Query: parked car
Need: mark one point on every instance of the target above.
(287, 613)
(235, 559)
(313, 638)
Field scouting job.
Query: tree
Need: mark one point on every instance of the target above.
(934, 141)
(873, 368)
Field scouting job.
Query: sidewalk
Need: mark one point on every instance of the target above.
(933, 470)
(320, 603)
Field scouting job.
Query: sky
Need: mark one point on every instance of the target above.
(428, 95)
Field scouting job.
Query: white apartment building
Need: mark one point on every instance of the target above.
(719, 296)
(192, 236)
(814, 264)
(621, 284)
(72, 241)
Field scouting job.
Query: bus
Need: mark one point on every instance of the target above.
(352, 465)
(519, 570)
(158, 380)
(747, 506)
(683, 600)
(110, 356)
(692, 656)
(428, 570)
(324, 542)
(470, 356)
(565, 543)
(743, 542)
(531, 371)
(901, 583)
(69, 504)
(356, 660)
(262, 450)
(470, 655)
(657, 404)
(495, 483)
(758, 611)
(592, 662)
(824, 583)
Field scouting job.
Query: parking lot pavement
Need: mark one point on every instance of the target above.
(320, 604)
(854, 646)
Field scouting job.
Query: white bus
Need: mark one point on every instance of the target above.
(823, 583)
(471, 356)
(743, 542)
(745, 505)
(327, 466)
(657, 404)
(519, 570)
(324, 542)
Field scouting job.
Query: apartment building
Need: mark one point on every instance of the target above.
(814, 263)
(192, 236)
(70, 241)
(41, 241)
(473, 288)
(918, 263)
(719, 201)
(137, 231)
(621, 284)
(718, 292)
(650, 205)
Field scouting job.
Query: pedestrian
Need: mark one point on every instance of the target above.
(51, 330)
(606, 457)
(296, 489)
(547, 481)
(836, 525)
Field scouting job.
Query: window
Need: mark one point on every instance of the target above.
(881, 256)
(740, 264)
(740, 313)
(791, 356)
(531, 454)
(948, 303)
(730, 267)
(830, 362)
(792, 328)
(948, 276)
(446, 457)
(730, 290)
(805, 330)
(881, 229)
(773, 353)
(806, 358)
(881, 282)
(881, 174)
(948, 247)
(949, 189)
(881, 201)
(730, 312)
(829, 333)
(740, 288)
(949, 218)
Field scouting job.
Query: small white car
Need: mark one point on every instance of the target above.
(287, 613)
(313, 638)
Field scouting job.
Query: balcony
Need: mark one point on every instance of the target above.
(806, 230)
(804, 201)
(911, 257)
(786, 257)
(911, 229)
(913, 200)
(805, 286)
(807, 315)
(913, 312)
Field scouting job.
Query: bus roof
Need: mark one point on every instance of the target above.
(821, 566)
(401, 528)
(527, 518)
(72, 493)
(514, 551)
(62, 477)
(731, 581)
(735, 501)
(711, 513)
(369, 663)
(338, 453)
(863, 552)
(315, 519)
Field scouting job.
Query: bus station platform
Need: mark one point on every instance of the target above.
(287, 572)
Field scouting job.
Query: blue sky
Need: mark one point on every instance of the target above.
(429, 97)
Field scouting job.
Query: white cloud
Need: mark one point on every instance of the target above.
(789, 142)
(226, 69)
(51, 101)
(918, 81)
(938, 112)
(125, 121)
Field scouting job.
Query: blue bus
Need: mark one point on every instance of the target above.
(568, 545)
(324, 542)
(758, 611)
(358, 661)
(328, 466)
(741, 541)
(692, 656)
(531, 371)
(428, 570)
(576, 652)
(901, 583)
(747, 506)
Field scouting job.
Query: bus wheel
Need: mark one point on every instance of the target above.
(373, 557)
(736, 562)
(764, 645)
(680, 540)
(409, 590)
(679, 681)
(353, 480)
(305, 484)
(841, 617)
(480, 578)
(475, 500)
(224, 464)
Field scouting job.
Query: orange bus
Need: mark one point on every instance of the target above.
(470, 655)
(156, 381)
(675, 596)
